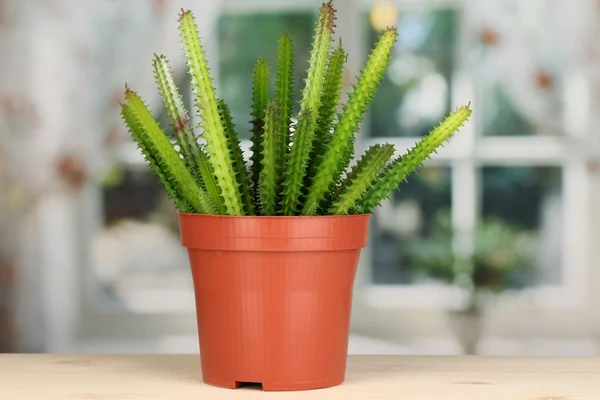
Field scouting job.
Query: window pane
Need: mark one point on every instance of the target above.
(414, 94)
(137, 258)
(529, 201)
(406, 218)
(501, 117)
(243, 39)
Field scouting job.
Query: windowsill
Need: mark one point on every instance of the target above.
(188, 344)
(401, 297)
(364, 345)
(438, 296)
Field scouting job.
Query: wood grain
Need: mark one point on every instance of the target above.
(177, 377)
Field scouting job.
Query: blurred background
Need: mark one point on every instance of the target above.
(491, 248)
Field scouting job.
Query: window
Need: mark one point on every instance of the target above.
(530, 200)
(500, 167)
(503, 164)
(136, 253)
(408, 215)
(415, 92)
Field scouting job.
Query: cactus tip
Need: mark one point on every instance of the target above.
(329, 14)
(128, 91)
(329, 5)
(184, 13)
(392, 29)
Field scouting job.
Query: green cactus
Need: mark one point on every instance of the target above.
(173, 190)
(361, 176)
(195, 159)
(284, 89)
(339, 149)
(238, 158)
(332, 90)
(297, 162)
(159, 151)
(310, 103)
(405, 165)
(209, 180)
(297, 169)
(177, 112)
(260, 98)
(216, 141)
(311, 96)
(270, 160)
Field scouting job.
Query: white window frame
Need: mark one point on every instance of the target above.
(398, 312)
(469, 151)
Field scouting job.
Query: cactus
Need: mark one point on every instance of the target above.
(216, 141)
(361, 176)
(260, 98)
(284, 89)
(178, 115)
(332, 90)
(194, 157)
(270, 160)
(297, 162)
(339, 149)
(208, 180)
(403, 166)
(159, 151)
(238, 158)
(291, 174)
(311, 96)
(173, 190)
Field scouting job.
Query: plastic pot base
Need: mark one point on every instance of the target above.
(275, 386)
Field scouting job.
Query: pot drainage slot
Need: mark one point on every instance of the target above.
(250, 385)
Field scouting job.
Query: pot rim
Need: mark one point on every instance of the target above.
(273, 233)
(272, 216)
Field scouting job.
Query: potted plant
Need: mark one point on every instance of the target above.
(503, 258)
(274, 242)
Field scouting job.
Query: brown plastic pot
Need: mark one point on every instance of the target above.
(273, 297)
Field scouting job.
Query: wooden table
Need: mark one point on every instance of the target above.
(69, 377)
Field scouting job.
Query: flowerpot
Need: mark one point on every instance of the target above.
(466, 326)
(273, 297)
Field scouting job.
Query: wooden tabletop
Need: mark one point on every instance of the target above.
(177, 377)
